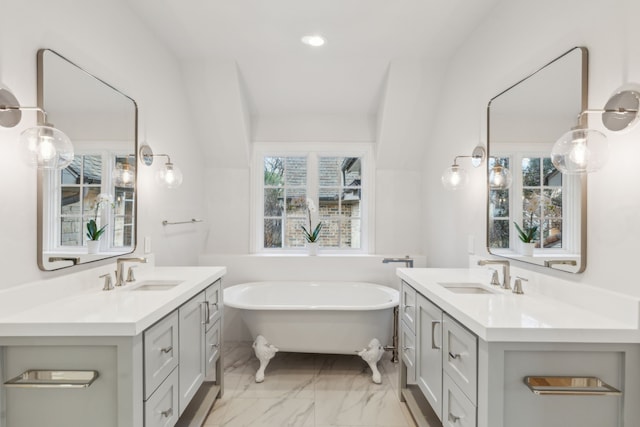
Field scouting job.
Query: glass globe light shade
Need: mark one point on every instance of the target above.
(123, 175)
(499, 178)
(454, 177)
(169, 176)
(46, 147)
(580, 151)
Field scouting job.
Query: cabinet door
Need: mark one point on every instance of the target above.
(192, 348)
(161, 410)
(213, 295)
(212, 343)
(429, 357)
(160, 352)
(408, 306)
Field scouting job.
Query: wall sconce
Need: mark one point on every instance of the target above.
(170, 176)
(43, 146)
(123, 175)
(584, 150)
(499, 177)
(455, 177)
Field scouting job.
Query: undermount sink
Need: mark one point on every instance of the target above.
(467, 288)
(155, 285)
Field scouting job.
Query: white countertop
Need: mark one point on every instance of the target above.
(507, 317)
(89, 311)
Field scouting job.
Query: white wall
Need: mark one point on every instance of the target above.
(109, 41)
(517, 38)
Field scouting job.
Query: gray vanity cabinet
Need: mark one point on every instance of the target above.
(429, 354)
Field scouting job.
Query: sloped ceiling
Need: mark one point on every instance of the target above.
(283, 75)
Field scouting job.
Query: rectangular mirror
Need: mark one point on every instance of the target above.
(97, 190)
(524, 122)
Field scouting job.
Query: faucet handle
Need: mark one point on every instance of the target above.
(108, 284)
(130, 276)
(517, 285)
(495, 280)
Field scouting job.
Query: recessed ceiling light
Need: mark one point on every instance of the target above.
(313, 40)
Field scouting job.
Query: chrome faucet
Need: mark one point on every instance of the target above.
(506, 277)
(408, 262)
(120, 268)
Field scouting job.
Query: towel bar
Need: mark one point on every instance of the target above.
(191, 221)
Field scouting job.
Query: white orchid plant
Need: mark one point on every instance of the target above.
(93, 232)
(311, 236)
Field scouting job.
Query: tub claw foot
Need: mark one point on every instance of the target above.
(264, 352)
(372, 355)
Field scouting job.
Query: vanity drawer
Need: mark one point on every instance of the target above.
(457, 409)
(160, 352)
(408, 351)
(460, 356)
(213, 296)
(212, 343)
(408, 306)
(161, 410)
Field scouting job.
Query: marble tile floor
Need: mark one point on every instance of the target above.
(307, 390)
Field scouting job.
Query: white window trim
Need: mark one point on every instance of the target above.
(572, 241)
(291, 149)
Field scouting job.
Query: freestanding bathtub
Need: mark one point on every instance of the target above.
(316, 317)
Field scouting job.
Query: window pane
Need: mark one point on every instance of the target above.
(553, 234)
(350, 233)
(498, 203)
(90, 200)
(553, 203)
(92, 171)
(272, 233)
(296, 171)
(273, 201)
(70, 201)
(330, 233)
(296, 202)
(499, 233)
(294, 235)
(329, 204)
(530, 172)
(552, 176)
(70, 231)
(273, 171)
(71, 174)
(330, 171)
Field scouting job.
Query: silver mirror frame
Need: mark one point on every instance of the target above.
(75, 261)
(584, 85)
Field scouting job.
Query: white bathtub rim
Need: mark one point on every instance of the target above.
(232, 293)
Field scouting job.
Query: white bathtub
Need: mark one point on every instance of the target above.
(316, 317)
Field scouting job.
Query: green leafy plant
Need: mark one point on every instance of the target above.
(311, 236)
(93, 232)
(526, 235)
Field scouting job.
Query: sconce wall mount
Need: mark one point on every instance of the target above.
(455, 177)
(170, 176)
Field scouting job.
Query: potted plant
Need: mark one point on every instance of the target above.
(312, 237)
(93, 232)
(527, 236)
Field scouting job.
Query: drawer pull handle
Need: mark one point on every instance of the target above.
(214, 345)
(434, 346)
(407, 306)
(215, 305)
(407, 348)
(455, 356)
(168, 413)
(166, 349)
(207, 313)
(453, 419)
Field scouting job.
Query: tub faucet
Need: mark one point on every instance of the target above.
(408, 262)
(506, 278)
(120, 268)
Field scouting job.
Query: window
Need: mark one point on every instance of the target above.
(79, 187)
(535, 199)
(302, 189)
